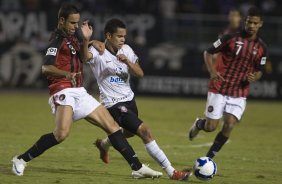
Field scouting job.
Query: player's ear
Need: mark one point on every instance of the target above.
(61, 20)
(261, 23)
(108, 35)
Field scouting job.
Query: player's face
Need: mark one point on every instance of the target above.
(252, 25)
(234, 18)
(117, 39)
(70, 24)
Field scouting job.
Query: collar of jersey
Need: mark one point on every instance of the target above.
(61, 33)
(114, 54)
(244, 34)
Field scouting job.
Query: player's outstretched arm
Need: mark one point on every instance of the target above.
(98, 45)
(87, 31)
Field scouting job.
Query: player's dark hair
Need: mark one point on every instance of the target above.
(112, 25)
(254, 12)
(235, 10)
(67, 9)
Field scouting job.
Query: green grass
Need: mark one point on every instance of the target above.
(253, 154)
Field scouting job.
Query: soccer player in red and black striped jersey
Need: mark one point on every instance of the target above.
(63, 66)
(243, 58)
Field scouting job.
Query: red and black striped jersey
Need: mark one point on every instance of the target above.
(226, 31)
(239, 57)
(63, 53)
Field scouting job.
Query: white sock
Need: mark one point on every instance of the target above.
(106, 143)
(158, 155)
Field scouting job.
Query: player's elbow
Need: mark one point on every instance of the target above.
(43, 70)
(140, 74)
(206, 54)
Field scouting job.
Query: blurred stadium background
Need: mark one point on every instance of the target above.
(169, 36)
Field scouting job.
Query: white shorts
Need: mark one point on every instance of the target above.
(217, 104)
(81, 102)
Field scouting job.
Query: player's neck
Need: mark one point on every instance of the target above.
(110, 48)
(251, 37)
(62, 30)
(234, 26)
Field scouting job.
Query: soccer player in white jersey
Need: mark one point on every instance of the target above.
(112, 71)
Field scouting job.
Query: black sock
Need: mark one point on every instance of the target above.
(45, 142)
(219, 141)
(200, 124)
(120, 143)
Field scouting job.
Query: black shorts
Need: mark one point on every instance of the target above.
(126, 115)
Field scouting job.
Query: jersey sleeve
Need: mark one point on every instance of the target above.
(94, 53)
(52, 52)
(131, 54)
(262, 60)
(219, 44)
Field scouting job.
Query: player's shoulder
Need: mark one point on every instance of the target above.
(56, 40)
(233, 34)
(126, 48)
(93, 49)
(229, 36)
(262, 42)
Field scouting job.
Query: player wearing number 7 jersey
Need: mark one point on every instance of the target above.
(243, 57)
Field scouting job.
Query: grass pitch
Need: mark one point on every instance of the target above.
(253, 154)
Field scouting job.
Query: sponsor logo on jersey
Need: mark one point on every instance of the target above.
(217, 43)
(116, 80)
(52, 51)
(73, 51)
(116, 100)
(263, 61)
(121, 73)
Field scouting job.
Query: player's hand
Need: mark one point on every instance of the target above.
(122, 58)
(72, 77)
(100, 46)
(86, 30)
(216, 76)
(251, 77)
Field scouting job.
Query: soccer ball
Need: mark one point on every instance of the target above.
(204, 168)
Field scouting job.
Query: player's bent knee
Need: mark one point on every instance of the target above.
(211, 125)
(229, 125)
(61, 136)
(127, 134)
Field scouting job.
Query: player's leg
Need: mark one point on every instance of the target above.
(63, 119)
(128, 119)
(104, 145)
(233, 112)
(102, 118)
(214, 111)
(223, 135)
(157, 153)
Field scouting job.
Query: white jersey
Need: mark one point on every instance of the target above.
(112, 75)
